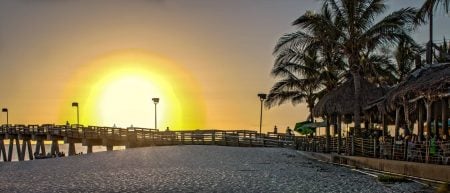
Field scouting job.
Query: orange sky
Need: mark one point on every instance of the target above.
(224, 46)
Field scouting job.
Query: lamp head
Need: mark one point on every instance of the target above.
(155, 100)
(262, 96)
(74, 104)
(4, 110)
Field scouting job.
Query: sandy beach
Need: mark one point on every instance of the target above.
(189, 169)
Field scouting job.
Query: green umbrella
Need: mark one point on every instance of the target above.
(308, 127)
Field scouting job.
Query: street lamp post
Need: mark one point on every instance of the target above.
(75, 104)
(155, 101)
(262, 97)
(5, 110)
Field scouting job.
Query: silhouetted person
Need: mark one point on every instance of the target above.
(167, 129)
(288, 131)
(275, 130)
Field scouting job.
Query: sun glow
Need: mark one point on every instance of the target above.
(116, 89)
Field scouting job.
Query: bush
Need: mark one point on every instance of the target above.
(392, 179)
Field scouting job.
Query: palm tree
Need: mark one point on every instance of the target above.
(405, 55)
(299, 82)
(427, 10)
(314, 67)
(348, 29)
(361, 33)
(444, 52)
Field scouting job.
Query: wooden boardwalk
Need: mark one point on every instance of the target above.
(22, 135)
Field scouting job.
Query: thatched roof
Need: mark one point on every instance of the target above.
(431, 82)
(342, 99)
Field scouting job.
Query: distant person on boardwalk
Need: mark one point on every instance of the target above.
(289, 131)
(275, 130)
(167, 129)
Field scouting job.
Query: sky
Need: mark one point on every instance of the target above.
(205, 59)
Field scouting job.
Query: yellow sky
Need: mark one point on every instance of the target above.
(49, 49)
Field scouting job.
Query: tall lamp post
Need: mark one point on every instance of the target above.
(155, 101)
(5, 110)
(262, 97)
(75, 104)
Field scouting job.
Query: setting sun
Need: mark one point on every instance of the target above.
(118, 88)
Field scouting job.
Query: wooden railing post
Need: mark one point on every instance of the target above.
(374, 147)
(353, 145)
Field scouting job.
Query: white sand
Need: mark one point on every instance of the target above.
(188, 169)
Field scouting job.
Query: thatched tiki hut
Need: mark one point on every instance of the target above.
(423, 95)
(340, 102)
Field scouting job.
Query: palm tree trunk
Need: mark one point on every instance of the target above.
(420, 121)
(311, 108)
(408, 127)
(357, 106)
(430, 43)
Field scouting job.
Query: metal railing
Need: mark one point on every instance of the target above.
(434, 152)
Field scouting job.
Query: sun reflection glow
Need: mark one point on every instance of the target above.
(116, 89)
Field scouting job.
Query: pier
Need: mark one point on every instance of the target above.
(21, 136)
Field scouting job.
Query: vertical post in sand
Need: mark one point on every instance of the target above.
(397, 123)
(89, 148)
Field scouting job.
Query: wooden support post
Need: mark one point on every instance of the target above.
(30, 151)
(362, 146)
(213, 136)
(10, 149)
(375, 147)
(182, 138)
(407, 127)
(397, 123)
(19, 153)
(385, 124)
(109, 148)
(54, 150)
(3, 150)
(72, 149)
(393, 149)
(37, 147)
(23, 150)
(353, 145)
(405, 150)
(420, 121)
(89, 148)
(40, 148)
(339, 132)
(428, 105)
(436, 120)
(11, 146)
(445, 117)
(327, 134)
(26, 144)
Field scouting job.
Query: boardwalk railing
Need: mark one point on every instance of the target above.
(130, 137)
(426, 152)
